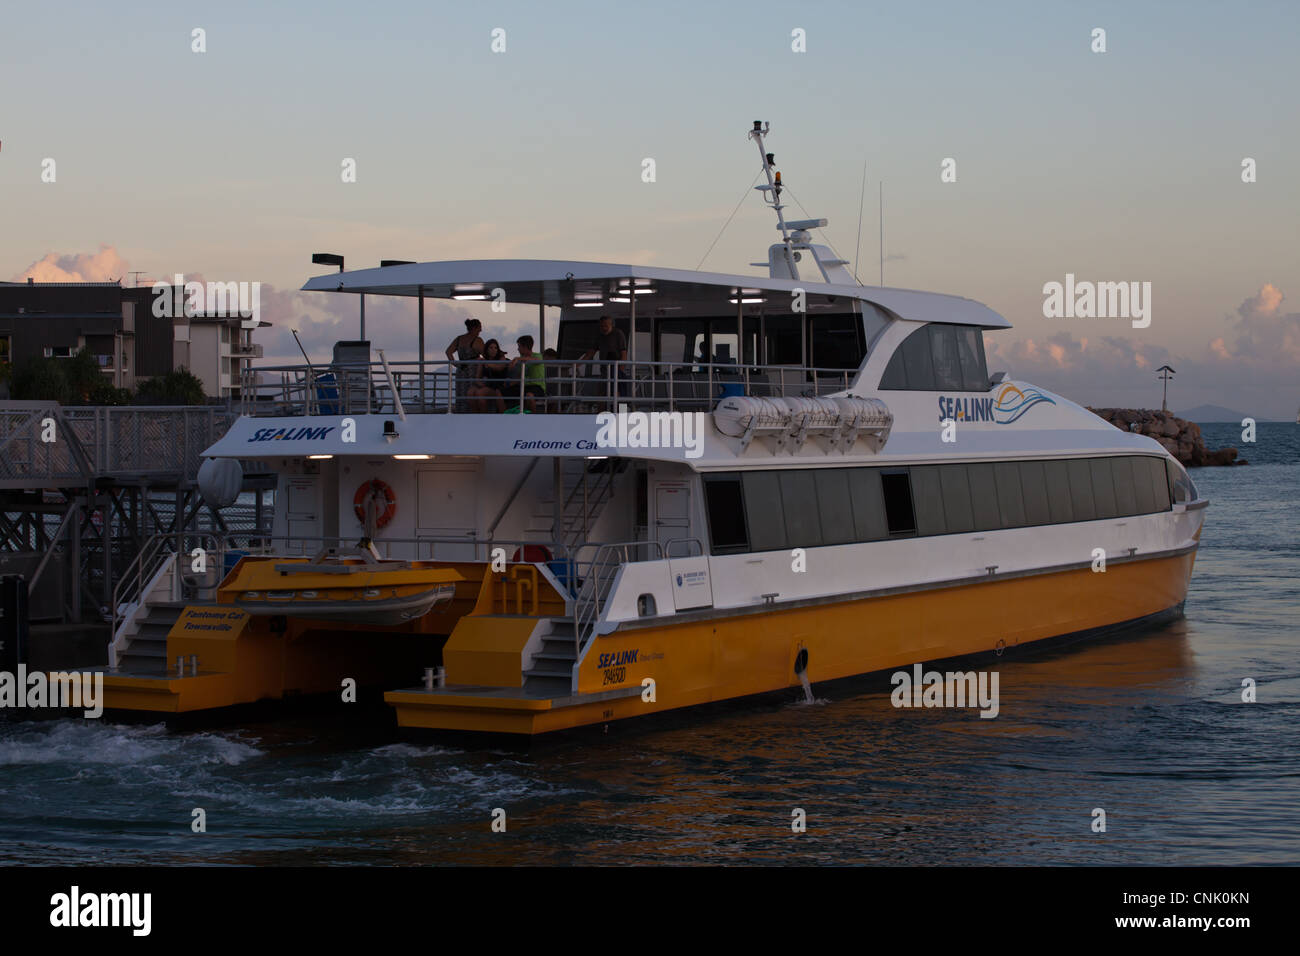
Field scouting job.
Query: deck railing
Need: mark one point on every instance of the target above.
(571, 386)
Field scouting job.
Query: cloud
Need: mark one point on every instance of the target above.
(103, 266)
(1252, 367)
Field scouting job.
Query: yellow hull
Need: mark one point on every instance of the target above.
(722, 658)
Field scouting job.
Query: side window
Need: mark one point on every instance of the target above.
(984, 497)
(834, 505)
(1159, 481)
(928, 499)
(947, 366)
(897, 493)
(956, 499)
(836, 341)
(917, 360)
(1103, 487)
(895, 372)
(799, 502)
(1059, 498)
(726, 512)
(763, 508)
(1011, 499)
(868, 504)
(1180, 485)
(1033, 481)
(1081, 500)
(970, 349)
(1121, 470)
(1144, 500)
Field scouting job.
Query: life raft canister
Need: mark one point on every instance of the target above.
(377, 487)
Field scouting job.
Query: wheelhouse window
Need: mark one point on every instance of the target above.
(939, 357)
(726, 510)
(836, 341)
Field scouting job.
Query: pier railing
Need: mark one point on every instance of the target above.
(571, 386)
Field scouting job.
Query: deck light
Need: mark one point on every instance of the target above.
(412, 457)
(320, 457)
(587, 305)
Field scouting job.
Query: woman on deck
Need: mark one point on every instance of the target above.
(466, 347)
(492, 381)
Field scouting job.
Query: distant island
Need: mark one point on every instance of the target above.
(1211, 414)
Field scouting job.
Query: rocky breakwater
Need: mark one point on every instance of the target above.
(1182, 438)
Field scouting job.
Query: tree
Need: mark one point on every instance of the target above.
(180, 386)
(40, 379)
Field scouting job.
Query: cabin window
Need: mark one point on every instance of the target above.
(897, 492)
(1121, 470)
(1058, 491)
(868, 504)
(726, 511)
(1033, 483)
(1081, 500)
(927, 496)
(1103, 488)
(1011, 497)
(763, 508)
(1181, 488)
(783, 338)
(947, 366)
(834, 505)
(790, 508)
(956, 499)
(1159, 479)
(799, 500)
(939, 357)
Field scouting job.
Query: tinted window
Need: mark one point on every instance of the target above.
(1011, 499)
(943, 349)
(970, 350)
(927, 496)
(895, 373)
(1058, 491)
(984, 497)
(1033, 482)
(1103, 488)
(898, 503)
(956, 498)
(916, 357)
(1159, 482)
(784, 338)
(799, 500)
(834, 505)
(1081, 489)
(1145, 501)
(1121, 469)
(726, 515)
(868, 504)
(763, 508)
(1179, 483)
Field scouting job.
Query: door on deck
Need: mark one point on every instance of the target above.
(687, 564)
(448, 509)
(303, 514)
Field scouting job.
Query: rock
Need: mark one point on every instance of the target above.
(1182, 439)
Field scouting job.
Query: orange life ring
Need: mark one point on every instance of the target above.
(381, 488)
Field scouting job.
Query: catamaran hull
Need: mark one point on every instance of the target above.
(721, 656)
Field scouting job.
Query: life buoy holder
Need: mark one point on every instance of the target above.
(378, 487)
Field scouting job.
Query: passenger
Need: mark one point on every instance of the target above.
(467, 347)
(611, 346)
(492, 383)
(527, 367)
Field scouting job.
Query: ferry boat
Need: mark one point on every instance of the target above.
(785, 479)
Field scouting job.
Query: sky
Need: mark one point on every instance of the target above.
(1123, 165)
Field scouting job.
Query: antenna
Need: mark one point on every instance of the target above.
(862, 198)
(137, 273)
(772, 191)
(882, 232)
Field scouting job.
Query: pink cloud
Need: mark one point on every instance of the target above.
(103, 266)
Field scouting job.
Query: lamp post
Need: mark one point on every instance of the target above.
(1166, 373)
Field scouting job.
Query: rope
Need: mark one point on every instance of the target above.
(728, 222)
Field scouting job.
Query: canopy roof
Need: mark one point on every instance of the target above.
(556, 282)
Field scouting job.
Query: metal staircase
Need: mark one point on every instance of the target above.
(552, 672)
(584, 493)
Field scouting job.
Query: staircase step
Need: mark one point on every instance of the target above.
(555, 659)
(554, 686)
(549, 669)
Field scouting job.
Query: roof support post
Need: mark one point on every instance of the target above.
(421, 348)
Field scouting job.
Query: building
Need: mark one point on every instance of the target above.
(120, 327)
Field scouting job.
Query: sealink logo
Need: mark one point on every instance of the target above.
(1012, 402)
(291, 434)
